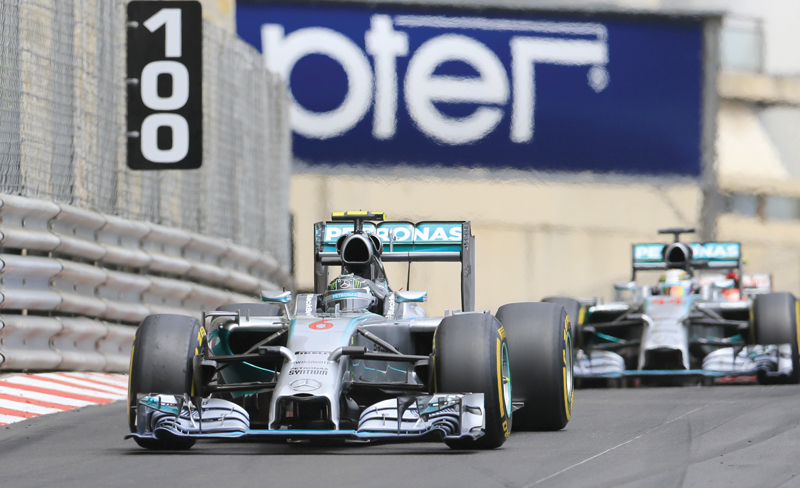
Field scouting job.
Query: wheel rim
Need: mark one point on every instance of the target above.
(505, 374)
(568, 345)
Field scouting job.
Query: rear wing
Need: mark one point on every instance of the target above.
(705, 255)
(403, 242)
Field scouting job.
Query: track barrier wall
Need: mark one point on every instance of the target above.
(63, 130)
(88, 247)
(72, 281)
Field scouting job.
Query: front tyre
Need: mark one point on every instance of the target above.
(470, 355)
(161, 362)
(540, 347)
(775, 321)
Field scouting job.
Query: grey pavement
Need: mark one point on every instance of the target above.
(733, 436)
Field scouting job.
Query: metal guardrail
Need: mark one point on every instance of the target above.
(62, 120)
(66, 274)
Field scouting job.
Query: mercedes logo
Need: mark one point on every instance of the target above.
(305, 384)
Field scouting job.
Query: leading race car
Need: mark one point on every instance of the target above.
(356, 360)
(702, 320)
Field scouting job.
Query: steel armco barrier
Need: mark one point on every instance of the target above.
(74, 283)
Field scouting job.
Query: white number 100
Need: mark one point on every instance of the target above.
(170, 18)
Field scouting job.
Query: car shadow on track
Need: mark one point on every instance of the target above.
(292, 450)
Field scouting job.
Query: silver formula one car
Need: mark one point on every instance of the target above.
(356, 360)
(700, 321)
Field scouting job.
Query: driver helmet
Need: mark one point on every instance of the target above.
(676, 283)
(352, 293)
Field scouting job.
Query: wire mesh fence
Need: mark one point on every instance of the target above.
(62, 127)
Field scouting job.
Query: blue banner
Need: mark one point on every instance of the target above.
(384, 86)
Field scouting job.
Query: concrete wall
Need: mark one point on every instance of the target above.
(534, 236)
(768, 247)
(757, 155)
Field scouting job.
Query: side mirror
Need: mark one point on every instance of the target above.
(624, 290)
(284, 298)
(724, 284)
(624, 286)
(276, 296)
(411, 296)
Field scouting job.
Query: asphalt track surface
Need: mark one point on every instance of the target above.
(742, 436)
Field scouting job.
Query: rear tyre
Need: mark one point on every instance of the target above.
(161, 362)
(470, 355)
(540, 346)
(252, 309)
(775, 321)
(573, 308)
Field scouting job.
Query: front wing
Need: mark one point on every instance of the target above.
(726, 362)
(406, 419)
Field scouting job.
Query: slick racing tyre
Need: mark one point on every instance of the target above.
(252, 309)
(470, 355)
(540, 349)
(574, 312)
(775, 321)
(161, 362)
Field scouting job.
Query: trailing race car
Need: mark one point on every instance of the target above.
(355, 360)
(700, 320)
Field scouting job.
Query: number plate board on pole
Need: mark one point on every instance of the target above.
(165, 85)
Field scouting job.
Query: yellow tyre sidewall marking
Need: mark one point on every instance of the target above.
(200, 334)
(499, 348)
(500, 378)
(435, 386)
(567, 394)
(797, 322)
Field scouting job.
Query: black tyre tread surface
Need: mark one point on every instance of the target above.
(465, 361)
(573, 308)
(161, 362)
(536, 349)
(571, 305)
(775, 322)
(255, 309)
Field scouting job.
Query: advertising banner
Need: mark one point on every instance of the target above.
(388, 86)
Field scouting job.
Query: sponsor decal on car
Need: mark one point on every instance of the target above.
(716, 250)
(310, 371)
(713, 251)
(321, 325)
(344, 294)
(400, 232)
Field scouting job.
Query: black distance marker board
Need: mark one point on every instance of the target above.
(165, 85)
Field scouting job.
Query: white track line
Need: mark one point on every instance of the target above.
(617, 446)
(87, 384)
(32, 381)
(27, 407)
(19, 403)
(119, 381)
(44, 397)
(104, 377)
(8, 419)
